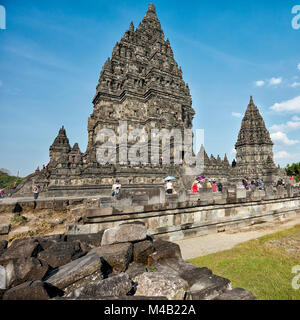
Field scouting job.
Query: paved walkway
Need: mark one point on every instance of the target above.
(203, 245)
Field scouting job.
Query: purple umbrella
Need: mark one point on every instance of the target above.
(200, 178)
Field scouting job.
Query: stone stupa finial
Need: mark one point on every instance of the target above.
(151, 8)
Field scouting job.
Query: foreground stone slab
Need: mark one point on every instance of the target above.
(32, 290)
(208, 287)
(118, 285)
(75, 270)
(23, 248)
(142, 250)
(236, 294)
(48, 241)
(161, 284)
(130, 232)
(93, 240)
(118, 256)
(164, 250)
(134, 269)
(186, 270)
(61, 253)
(24, 270)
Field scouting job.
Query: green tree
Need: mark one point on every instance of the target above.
(293, 170)
(8, 181)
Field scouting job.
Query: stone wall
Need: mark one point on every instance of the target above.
(174, 216)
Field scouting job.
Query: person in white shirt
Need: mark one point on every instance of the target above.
(116, 188)
(169, 187)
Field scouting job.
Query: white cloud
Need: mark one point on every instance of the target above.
(282, 155)
(275, 81)
(259, 83)
(282, 138)
(292, 105)
(298, 66)
(236, 114)
(289, 126)
(295, 84)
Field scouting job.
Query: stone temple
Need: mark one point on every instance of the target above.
(141, 84)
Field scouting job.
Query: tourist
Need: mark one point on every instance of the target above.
(233, 163)
(36, 191)
(195, 187)
(1, 193)
(261, 184)
(220, 187)
(169, 187)
(116, 187)
(208, 184)
(280, 182)
(245, 183)
(214, 186)
(199, 184)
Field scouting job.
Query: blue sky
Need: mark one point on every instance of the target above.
(52, 52)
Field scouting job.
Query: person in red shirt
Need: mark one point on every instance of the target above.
(195, 187)
(214, 187)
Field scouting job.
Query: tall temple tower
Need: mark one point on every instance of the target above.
(141, 84)
(254, 145)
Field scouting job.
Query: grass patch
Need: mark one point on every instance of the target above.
(259, 265)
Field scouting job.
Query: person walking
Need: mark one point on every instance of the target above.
(36, 191)
(116, 187)
(1, 193)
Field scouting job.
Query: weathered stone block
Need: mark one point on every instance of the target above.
(24, 270)
(161, 284)
(118, 285)
(93, 239)
(124, 233)
(186, 270)
(236, 294)
(62, 253)
(22, 248)
(164, 250)
(208, 287)
(78, 269)
(134, 269)
(142, 250)
(118, 256)
(98, 212)
(4, 229)
(32, 290)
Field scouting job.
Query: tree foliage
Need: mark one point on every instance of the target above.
(293, 170)
(8, 181)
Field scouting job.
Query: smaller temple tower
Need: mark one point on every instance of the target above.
(60, 146)
(254, 146)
